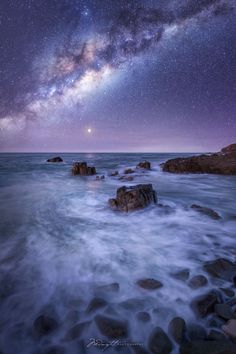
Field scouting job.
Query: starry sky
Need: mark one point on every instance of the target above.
(117, 75)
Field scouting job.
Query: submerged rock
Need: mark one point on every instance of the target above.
(145, 164)
(133, 197)
(177, 328)
(55, 159)
(96, 304)
(159, 343)
(206, 211)
(221, 268)
(110, 327)
(128, 171)
(44, 325)
(126, 178)
(223, 162)
(149, 284)
(205, 304)
(81, 168)
(198, 281)
(181, 274)
(113, 287)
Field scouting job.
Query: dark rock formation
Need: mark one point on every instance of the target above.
(128, 171)
(177, 328)
(223, 162)
(44, 325)
(196, 332)
(205, 304)
(100, 178)
(145, 164)
(111, 328)
(115, 173)
(81, 168)
(133, 198)
(206, 211)
(149, 284)
(159, 343)
(220, 268)
(197, 281)
(55, 159)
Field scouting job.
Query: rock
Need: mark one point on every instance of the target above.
(208, 347)
(220, 268)
(223, 162)
(128, 171)
(145, 164)
(206, 211)
(230, 329)
(55, 159)
(215, 335)
(76, 331)
(181, 275)
(225, 311)
(114, 174)
(126, 178)
(96, 304)
(198, 281)
(133, 197)
(205, 304)
(149, 284)
(81, 168)
(113, 287)
(177, 328)
(44, 325)
(159, 343)
(228, 292)
(143, 316)
(100, 178)
(111, 328)
(196, 332)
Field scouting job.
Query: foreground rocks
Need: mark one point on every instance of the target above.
(55, 159)
(221, 268)
(81, 168)
(133, 198)
(206, 211)
(159, 343)
(111, 328)
(145, 164)
(177, 329)
(205, 304)
(149, 284)
(223, 162)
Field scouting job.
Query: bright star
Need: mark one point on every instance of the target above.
(89, 130)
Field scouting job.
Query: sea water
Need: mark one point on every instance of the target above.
(59, 241)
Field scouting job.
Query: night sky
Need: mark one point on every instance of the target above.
(117, 75)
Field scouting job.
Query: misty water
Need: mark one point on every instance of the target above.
(59, 241)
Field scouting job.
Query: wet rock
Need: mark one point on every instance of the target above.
(113, 287)
(111, 328)
(96, 304)
(196, 332)
(223, 162)
(114, 174)
(177, 328)
(198, 281)
(100, 178)
(81, 168)
(44, 325)
(149, 284)
(220, 268)
(128, 171)
(55, 159)
(208, 347)
(181, 275)
(225, 311)
(228, 292)
(159, 343)
(230, 329)
(76, 331)
(126, 178)
(143, 316)
(145, 164)
(206, 211)
(215, 335)
(205, 304)
(133, 197)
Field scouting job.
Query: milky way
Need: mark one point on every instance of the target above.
(148, 75)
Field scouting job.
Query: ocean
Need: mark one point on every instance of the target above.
(59, 241)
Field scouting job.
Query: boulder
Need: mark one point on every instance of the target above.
(177, 328)
(206, 211)
(221, 268)
(159, 343)
(55, 159)
(223, 162)
(205, 304)
(114, 174)
(215, 335)
(230, 329)
(198, 281)
(128, 171)
(111, 328)
(133, 197)
(149, 284)
(145, 164)
(44, 325)
(81, 168)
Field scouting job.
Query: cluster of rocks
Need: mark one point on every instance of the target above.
(223, 162)
(82, 169)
